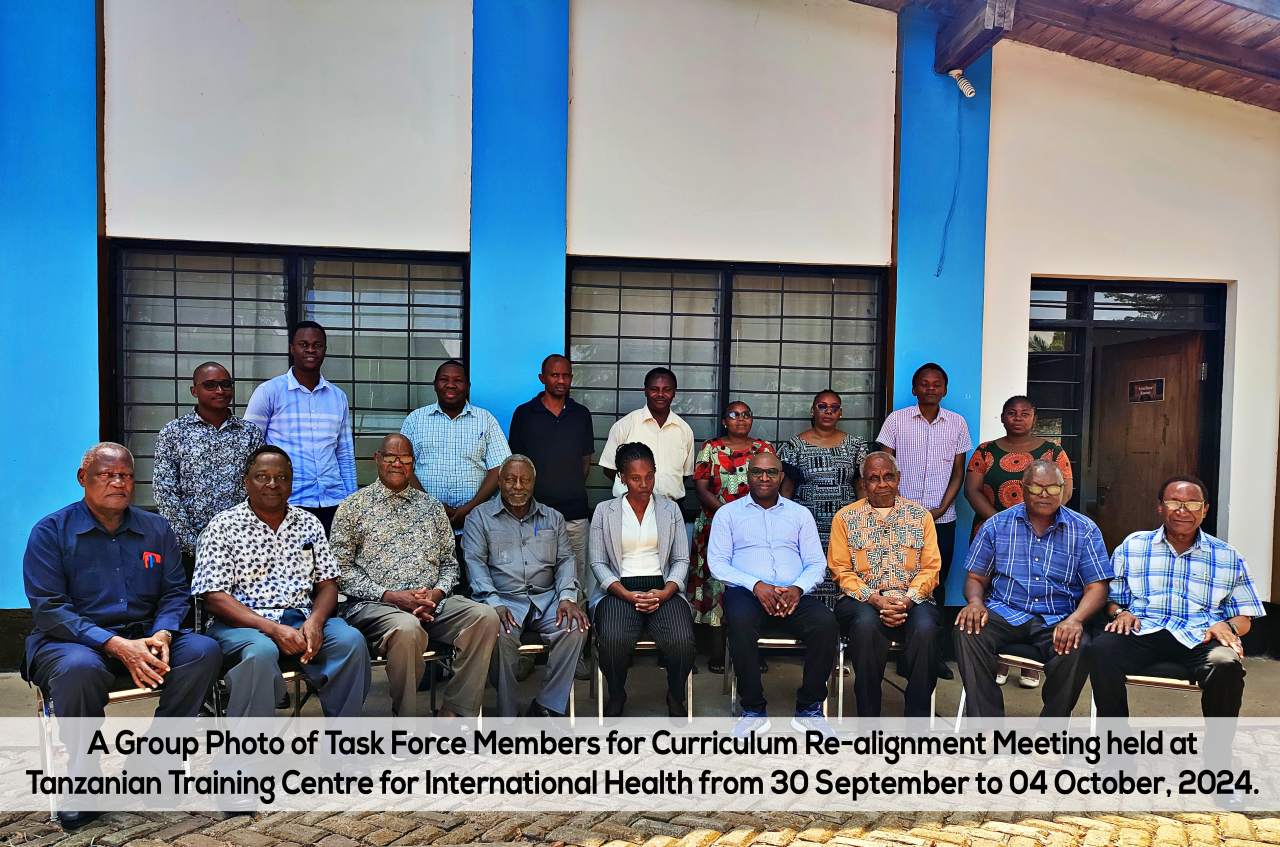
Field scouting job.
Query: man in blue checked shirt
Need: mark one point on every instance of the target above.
(457, 447)
(1037, 572)
(1181, 596)
(307, 416)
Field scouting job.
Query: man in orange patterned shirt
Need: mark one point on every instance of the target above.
(884, 557)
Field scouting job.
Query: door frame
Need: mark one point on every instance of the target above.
(1082, 320)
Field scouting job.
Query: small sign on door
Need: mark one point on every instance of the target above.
(1146, 391)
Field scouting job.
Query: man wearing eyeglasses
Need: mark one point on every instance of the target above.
(1037, 572)
(199, 459)
(1179, 595)
(766, 551)
(395, 546)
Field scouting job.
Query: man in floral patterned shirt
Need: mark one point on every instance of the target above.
(199, 464)
(395, 545)
(884, 557)
(270, 581)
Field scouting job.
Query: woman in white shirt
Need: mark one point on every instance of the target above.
(640, 555)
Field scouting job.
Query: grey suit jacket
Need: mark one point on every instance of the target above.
(606, 543)
(520, 564)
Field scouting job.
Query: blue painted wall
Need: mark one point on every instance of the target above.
(520, 137)
(48, 264)
(939, 316)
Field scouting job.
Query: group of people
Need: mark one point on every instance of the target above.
(479, 541)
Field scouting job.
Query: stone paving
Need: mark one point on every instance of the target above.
(647, 829)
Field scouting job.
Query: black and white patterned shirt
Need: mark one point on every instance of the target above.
(388, 540)
(199, 471)
(267, 571)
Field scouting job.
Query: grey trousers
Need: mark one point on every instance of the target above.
(471, 627)
(578, 532)
(561, 661)
(254, 685)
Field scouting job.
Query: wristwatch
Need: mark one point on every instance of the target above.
(1232, 624)
(1118, 611)
(165, 631)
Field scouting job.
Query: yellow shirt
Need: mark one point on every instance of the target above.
(672, 446)
(893, 554)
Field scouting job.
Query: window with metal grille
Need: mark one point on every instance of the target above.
(390, 320)
(770, 336)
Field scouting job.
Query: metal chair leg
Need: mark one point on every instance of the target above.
(46, 747)
(933, 708)
(840, 683)
(573, 712)
(960, 711)
(728, 669)
(431, 683)
(1093, 715)
(598, 684)
(733, 690)
(688, 694)
(297, 697)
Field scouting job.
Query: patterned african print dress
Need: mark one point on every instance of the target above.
(1002, 471)
(726, 472)
(827, 487)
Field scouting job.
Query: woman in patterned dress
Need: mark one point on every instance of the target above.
(828, 460)
(719, 477)
(993, 482)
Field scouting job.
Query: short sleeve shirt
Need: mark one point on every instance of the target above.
(452, 455)
(269, 572)
(671, 443)
(556, 445)
(926, 452)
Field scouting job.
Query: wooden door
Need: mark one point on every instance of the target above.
(1147, 427)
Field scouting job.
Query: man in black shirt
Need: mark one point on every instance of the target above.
(555, 432)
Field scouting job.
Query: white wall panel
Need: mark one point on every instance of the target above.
(1095, 172)
(312, 122)
(732, 129)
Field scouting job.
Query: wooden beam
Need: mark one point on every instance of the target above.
(1150, 35)
(1270, 8)
(975, 30)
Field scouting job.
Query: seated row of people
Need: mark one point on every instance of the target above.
(108, 593)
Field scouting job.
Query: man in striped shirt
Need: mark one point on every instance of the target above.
(307, 416)
(1037, 572)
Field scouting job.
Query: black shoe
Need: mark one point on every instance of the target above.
(676, 708)
(613, 706)
(72, 821)
(944, 671)
(537, 710)
(902, 668)
(764, 667)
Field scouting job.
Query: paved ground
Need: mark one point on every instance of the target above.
(648, 829)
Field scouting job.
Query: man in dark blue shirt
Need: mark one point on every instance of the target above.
(108, 594)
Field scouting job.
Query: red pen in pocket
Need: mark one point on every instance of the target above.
(150, 559)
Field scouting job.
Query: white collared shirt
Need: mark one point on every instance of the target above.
(672, 446)
(639, 543)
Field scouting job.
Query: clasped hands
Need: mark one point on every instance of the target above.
(777, 600)
(649, 601)
(146, 659)
(893, 608)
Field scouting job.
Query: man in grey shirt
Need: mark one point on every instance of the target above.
(520, 562)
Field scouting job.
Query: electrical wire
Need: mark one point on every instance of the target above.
(955, 191)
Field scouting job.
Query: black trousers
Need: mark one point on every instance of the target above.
(1218, 669)
(325, 514)
(944, 645)
(811, 622)
(869, 641)
(618, 626)
(977, 656)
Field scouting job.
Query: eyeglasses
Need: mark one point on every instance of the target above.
(1189, 505)
(737, 416)
(108, 478)
(1052, 490)
(828, 407)
(215, 384)
(768, 473)
(391, 459)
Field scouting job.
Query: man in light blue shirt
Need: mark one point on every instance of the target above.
(307, 416)
(766, 551)
(457, 447)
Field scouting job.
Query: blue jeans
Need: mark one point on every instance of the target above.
(340, 670)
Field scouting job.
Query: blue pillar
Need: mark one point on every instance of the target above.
(520, 137)
(939, 313)
(48, 264)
